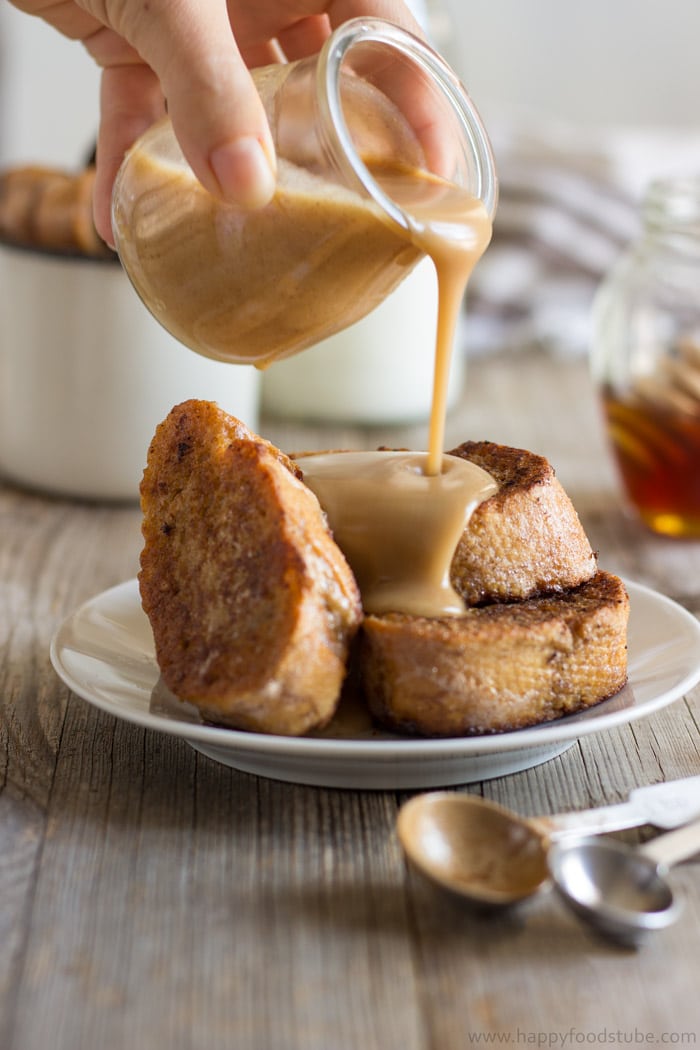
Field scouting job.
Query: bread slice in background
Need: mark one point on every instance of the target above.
(50, 210)
(526, 539)
(500, 667)
(251, 602)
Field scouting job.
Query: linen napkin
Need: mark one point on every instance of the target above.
(569, 205)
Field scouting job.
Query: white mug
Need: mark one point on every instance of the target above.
(86, 374)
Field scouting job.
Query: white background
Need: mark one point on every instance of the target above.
(599, 63)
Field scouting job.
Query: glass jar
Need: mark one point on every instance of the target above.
(646, 360)
(254, 286)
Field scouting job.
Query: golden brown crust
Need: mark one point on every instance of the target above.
(502, 666)
(252, 604)
(526, 539)
(50, 210)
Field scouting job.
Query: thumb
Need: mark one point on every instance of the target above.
(188, 54)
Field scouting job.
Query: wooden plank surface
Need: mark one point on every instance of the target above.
(150, 897)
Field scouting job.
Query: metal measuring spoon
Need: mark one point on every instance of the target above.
(622, 890)
(492, 856)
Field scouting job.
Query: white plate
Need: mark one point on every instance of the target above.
(104, 653)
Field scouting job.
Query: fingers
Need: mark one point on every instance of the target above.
(131, 100)
(340, 11)
(412, 92)
(68, 18)
(185, 52)
(304, 37)
(215, 109)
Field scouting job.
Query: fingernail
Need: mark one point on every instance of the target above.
(243, 171)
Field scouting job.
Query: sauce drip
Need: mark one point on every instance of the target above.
(452, 227)
(253, 287)
(398, 516)
(397, 525)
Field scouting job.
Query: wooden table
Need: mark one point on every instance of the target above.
(150, 897)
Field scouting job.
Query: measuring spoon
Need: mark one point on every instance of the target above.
(492, 856)
(621, 890)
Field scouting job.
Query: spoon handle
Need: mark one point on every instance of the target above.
(675, 846)
(589, 821)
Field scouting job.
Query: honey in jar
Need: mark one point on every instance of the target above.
(646, 361)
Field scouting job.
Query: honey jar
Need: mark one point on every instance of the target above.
(646, 360)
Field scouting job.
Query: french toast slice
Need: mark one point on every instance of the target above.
(501, 666)
(526, 539)
(251, 602)
(253, 606)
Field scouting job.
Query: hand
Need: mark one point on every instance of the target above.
(194, 55)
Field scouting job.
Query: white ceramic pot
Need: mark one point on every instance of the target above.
(86, 374)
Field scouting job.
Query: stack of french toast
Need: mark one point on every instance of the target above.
(258, 620)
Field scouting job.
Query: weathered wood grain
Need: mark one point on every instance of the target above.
(150, 897)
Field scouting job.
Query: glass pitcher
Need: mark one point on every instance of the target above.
(253, 286)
